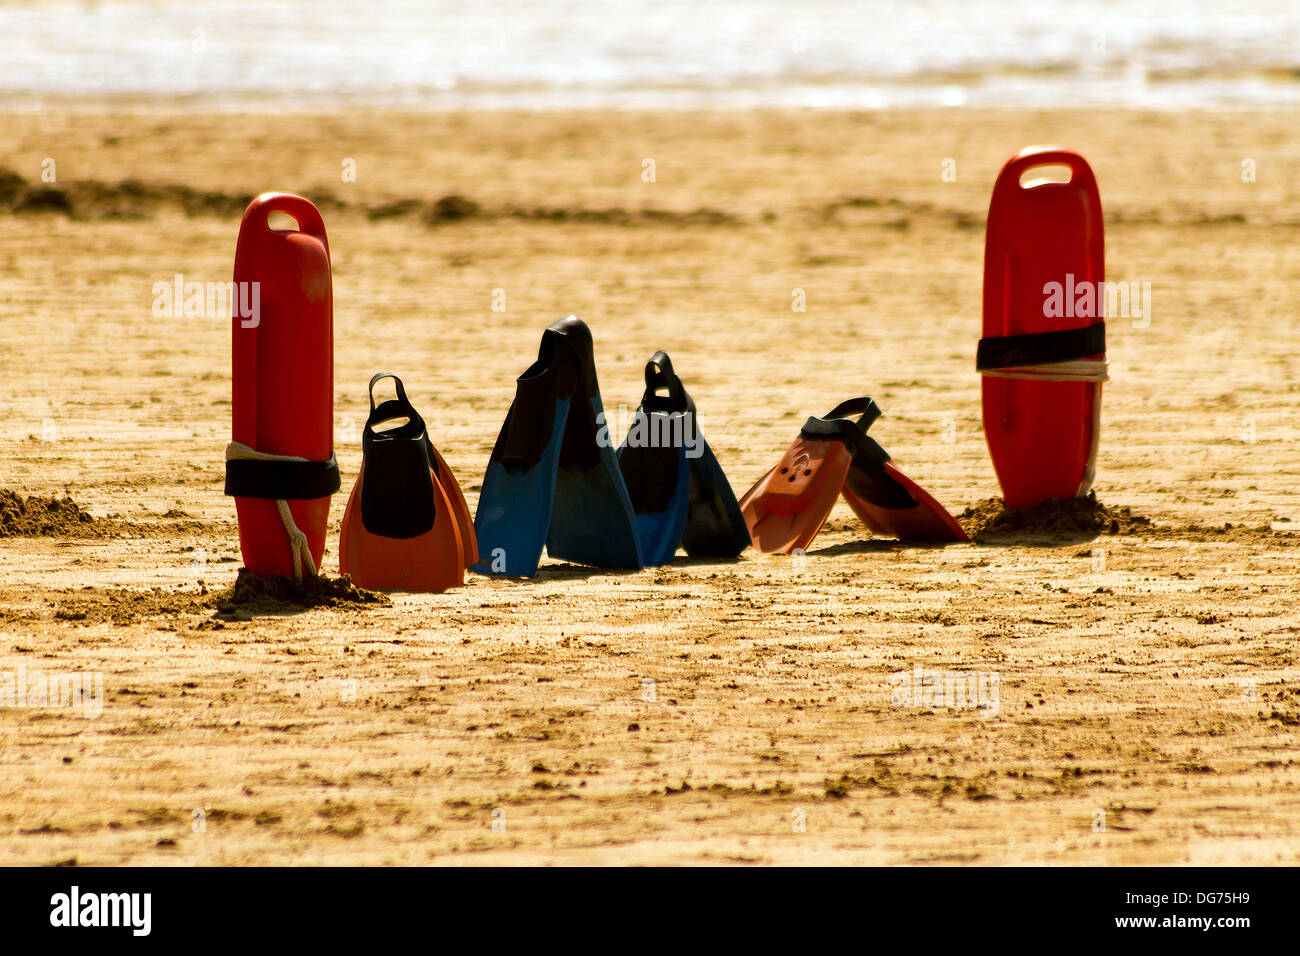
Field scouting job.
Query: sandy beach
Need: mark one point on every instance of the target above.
(733, 712)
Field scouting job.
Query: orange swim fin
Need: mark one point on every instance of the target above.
(789, 505)
(927, 520)
(833, 456)
(406, 526)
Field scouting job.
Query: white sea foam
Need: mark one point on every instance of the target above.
(652, 53)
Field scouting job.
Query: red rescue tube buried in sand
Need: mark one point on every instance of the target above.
(283, 374)
(1043, 359)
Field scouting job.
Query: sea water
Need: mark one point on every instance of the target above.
(650, 53)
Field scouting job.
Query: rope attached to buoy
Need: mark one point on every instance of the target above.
(301, 550)
(1081, 370)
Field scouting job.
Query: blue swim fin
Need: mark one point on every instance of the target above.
(550, 480)
(653, 461)
(678, 489)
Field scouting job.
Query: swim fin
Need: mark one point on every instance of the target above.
(406, 526)
(833, 456)
(678, 490)
(553, 477)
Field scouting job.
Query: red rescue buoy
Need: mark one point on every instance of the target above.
(1043, 349)
(280, 465)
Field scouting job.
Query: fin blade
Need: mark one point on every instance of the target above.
(444, 476)
(927, 520)
(515, 507)
(715, 526)
(658, 484)
(786, 509)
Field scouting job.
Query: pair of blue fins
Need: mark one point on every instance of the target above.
(555, 479)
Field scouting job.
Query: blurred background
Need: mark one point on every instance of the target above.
(327, 54)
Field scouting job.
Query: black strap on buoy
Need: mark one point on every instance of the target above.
(282, 480)
(1040, 348)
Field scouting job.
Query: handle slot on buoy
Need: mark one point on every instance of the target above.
(280, 221)
(1044, 174)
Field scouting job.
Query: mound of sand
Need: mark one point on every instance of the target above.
(251, 595)
(1057, 517)
(36, 517)
(255, 594)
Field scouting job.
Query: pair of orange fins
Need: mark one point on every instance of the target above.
(406, 527)
(835, 456)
